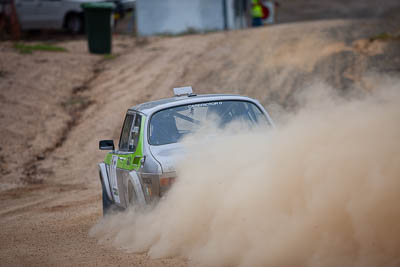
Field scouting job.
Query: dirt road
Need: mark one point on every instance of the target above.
(55, 108)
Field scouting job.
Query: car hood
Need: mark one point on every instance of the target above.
(168, 155)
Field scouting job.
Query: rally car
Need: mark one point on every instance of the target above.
(142, 169)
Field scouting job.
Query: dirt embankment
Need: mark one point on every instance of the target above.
(309, 10)
(42, 96)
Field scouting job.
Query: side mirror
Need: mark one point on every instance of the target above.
(106, 145)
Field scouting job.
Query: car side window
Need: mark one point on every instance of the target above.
(135, 133)
(126, 130)
(130, 133)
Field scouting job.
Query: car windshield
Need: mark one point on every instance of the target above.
(170, 125)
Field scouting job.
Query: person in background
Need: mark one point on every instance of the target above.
(257, 13)
(119, 13)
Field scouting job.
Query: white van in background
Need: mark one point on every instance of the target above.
(56, 14)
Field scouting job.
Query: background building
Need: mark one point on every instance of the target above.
(180, 16)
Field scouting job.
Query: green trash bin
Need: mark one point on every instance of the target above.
(98, 18)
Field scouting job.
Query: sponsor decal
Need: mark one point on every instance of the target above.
(205, 104)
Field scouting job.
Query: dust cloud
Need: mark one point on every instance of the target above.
(322, 189)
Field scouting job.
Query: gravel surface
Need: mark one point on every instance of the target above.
(56, 106)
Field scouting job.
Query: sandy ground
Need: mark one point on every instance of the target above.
(56, 106)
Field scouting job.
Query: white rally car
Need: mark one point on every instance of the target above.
(142, 168)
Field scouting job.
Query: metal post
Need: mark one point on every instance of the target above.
(225, 14)
(10, 20)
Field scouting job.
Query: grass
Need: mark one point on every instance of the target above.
(385, 36)
(29, 49)
(188, 31)
(110, 56)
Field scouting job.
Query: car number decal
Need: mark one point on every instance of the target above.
(113, 178)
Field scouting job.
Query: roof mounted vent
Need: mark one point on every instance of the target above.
(182, 91)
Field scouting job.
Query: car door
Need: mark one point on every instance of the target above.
(27, 13)
(51, 13)
(125, 162)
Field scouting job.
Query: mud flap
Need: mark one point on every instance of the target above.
(137, 187)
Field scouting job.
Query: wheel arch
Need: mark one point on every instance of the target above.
(137, 186)
(71, 13)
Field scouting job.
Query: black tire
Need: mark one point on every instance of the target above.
(107, 203)
(74, 23)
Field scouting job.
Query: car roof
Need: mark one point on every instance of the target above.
(149, 108)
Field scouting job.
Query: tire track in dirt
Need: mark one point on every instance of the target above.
(74, 106)
(33, 90)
